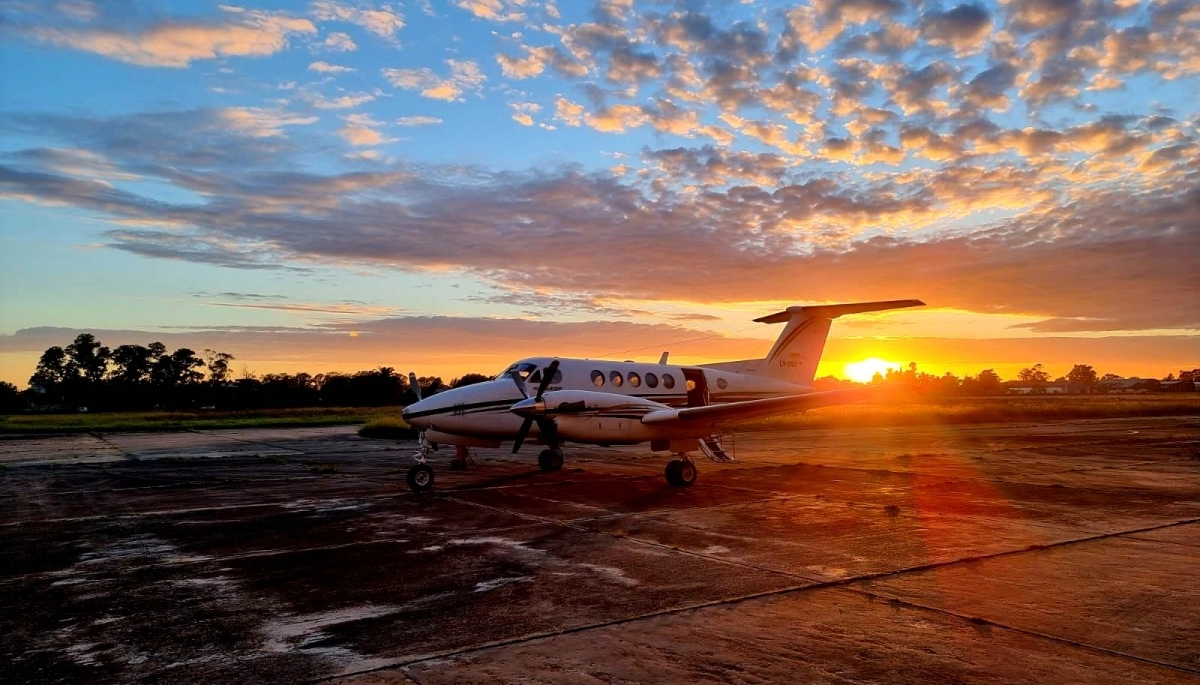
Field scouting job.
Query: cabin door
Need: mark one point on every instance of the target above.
(697, 387)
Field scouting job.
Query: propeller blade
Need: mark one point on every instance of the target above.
(522, 434)
(547, 377)
(412, 385)
(520, 385)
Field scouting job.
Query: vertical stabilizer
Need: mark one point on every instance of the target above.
(797, 351)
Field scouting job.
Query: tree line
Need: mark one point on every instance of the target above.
(988, 382)
(88, 374)
(85, 373)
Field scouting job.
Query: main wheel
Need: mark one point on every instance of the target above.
(672, 471)
(420, 478)
(680, 473)
(687, 473)
(550, 460)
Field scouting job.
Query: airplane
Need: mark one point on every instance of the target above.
(675, 408)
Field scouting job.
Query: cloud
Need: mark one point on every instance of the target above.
(536, 60)
(523, 112)
(327, 68)
(418, 121)
(495, 10)
(177, 43)
(464, 75)
(361, 130)
(337, 41)
(383, 21)
(260, 121)
(965, 28)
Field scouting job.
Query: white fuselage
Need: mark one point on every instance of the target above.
(480, 413)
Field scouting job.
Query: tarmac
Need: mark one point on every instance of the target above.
(1064, 553)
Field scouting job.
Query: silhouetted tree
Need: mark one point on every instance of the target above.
(51, 370)
(986, 383)
(469, 379)
(10, 398)
(1084, 375)
(1033, 375)
(88, 358)
(217, 364)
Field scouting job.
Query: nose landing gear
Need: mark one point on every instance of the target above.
(682, 472)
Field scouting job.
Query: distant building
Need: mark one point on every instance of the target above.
(1055, 388)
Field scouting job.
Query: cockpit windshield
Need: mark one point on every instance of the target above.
(519, 371)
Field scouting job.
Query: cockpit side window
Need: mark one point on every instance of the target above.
(536, 377)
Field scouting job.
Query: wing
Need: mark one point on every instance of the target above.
(755, 409)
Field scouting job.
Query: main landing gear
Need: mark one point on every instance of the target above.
(462, 459)
(681, 473)
(551, 459)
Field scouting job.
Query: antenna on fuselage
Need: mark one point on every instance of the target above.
(663, 359)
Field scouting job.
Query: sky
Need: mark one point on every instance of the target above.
(448, 185)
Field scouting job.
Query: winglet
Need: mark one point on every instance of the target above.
(832, 311)
(663, 358)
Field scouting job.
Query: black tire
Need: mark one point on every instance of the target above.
(672, 472)
(550, 460)
(420, 478)
(686, 474)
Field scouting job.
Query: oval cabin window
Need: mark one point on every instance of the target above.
(652, 380)
(634, 379)
(597, 378)
(668, 381)
(722, 383)
(615, 378)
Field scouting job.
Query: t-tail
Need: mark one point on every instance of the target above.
(797, 351)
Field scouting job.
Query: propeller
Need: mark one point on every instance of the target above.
(533, 410)
(412, 385)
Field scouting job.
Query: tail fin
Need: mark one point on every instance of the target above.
(797, 351)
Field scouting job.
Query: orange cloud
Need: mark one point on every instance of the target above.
(244, 33)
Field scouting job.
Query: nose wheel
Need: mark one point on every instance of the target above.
(551, 460)
(681, 473)
(420, 478)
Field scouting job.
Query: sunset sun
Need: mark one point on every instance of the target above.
(865, 370)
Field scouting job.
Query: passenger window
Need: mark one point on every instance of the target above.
(634, 379)
(668, 381)
(615, 378)
(652, 380)
(597, 378)
(722, 383)
(557, 376)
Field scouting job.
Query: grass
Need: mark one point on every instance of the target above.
(388, 427)
(961, 410)
(152, 421)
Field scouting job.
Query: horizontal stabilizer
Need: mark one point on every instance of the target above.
(832, 311)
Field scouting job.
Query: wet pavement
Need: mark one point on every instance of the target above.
(1063, 552)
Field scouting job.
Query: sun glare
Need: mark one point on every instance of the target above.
(864, 371)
